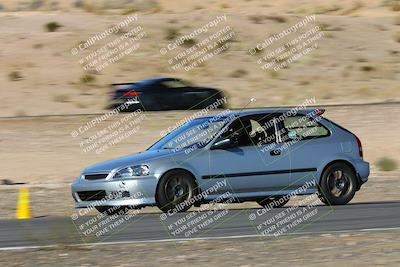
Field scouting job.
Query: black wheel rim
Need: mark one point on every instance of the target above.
(177, 190)
(338, 183)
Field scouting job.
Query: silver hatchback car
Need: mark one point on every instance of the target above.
(254, 155)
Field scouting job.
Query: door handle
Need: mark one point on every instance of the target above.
(275, 152)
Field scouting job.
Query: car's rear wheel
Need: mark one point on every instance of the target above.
(338, 184)
(175, 190)
(112, 210)
(322, 198)
(274, 202)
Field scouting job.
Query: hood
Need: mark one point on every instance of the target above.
(133, 159)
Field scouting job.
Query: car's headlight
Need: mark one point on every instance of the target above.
(132, 171)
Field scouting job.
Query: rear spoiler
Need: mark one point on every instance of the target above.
(317, 112)
(121, 85)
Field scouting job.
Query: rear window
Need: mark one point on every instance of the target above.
(174, 84)
(301, 127)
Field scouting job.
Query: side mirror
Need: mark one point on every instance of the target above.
(292, 135)
(226, 143)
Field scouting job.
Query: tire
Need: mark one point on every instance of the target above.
(274, 202)
(338, 184)
(175, 187)
(111, 210)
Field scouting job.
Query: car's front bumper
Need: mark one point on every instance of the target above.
(108, 192)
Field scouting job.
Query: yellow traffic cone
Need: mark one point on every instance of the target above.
(24, 209)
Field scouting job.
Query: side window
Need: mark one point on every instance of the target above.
(301, 127)
(264, 131)
(252, 130)
(238, 129)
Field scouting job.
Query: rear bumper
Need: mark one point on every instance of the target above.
(138, 192)
(362, 169)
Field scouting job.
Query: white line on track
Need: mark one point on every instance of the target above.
(200, 238)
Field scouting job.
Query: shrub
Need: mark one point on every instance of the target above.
(397, 37)
(15, 76)
(147, 5)
(189, 42)
(80, 105)
(38, 46)
(256, 51)
(198, 7)
(239, 73)
(386, 164)
(129, 11)
(225, 5)
(36, 4)
(172, 34)
(396, 6)
(62, 98)
(274, 74)
(78, 3)
(52, 26)
(279, 19)
(326, 27)
(87, 78)
(367, 68)
(257, 19)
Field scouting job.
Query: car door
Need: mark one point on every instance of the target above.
(305, 138)
(175, 93)
(254, 166)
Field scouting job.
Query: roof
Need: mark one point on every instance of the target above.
(157, 80)
(272, 110)
(245, 112)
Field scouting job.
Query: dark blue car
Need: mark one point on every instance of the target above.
(164, 94)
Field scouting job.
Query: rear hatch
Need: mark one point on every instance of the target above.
(124, 90)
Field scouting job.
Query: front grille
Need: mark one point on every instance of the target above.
(119, 194)
(92, 195)
(96, 176)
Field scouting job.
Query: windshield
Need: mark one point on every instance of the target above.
(198, 132)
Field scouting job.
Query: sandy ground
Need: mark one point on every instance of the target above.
(348, 249)
(358, 60)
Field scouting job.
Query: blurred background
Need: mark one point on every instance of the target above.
(46, 94)
(357, 61)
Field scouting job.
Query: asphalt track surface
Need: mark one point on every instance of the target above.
(214, 224)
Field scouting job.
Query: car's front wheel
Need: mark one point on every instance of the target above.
(175, 190)
(338, 184)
